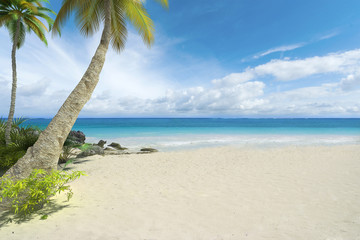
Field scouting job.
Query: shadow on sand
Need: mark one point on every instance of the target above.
(6, 216)
(67, 167)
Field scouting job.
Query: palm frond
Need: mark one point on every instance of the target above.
(139, 17)
(68, 6)
(29, 11)
(164, 3)
(27, 5)
(44, 14)
(18, 121)
(118, 27)
(4, 18)
(22, 138)
(36, 28)
(89, 17)
(21, 37)
(11, 26)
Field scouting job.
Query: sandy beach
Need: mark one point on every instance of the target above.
(209, 194)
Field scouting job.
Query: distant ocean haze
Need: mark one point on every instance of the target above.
(168, 134)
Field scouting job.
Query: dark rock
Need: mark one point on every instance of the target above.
(75, 138)
(116, 146)
(93, 150)
(101, 143)
(148, 150)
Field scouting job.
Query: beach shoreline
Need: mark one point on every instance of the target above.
(291, 192)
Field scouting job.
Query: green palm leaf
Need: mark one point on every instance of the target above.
(139, 17)
(91, 14)
(29, 12)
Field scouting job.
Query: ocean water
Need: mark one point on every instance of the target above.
(168, 134)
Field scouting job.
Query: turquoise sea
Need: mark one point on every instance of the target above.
(183, 133)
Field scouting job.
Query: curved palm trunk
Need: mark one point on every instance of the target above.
(45, 152)
(14, 85)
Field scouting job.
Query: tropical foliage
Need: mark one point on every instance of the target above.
(27, 12)
(90, 15)
(22, 138)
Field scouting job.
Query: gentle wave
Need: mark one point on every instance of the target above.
(191, 141)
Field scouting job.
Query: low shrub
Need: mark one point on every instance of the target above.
(23, 197)
(22, 137)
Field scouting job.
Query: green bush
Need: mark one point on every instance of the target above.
(22, 138)
(30, 194)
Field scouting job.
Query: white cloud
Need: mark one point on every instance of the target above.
(34, 89)
(350, 82)
(46, 75)
(280, 49)
(235, 78)
(328, 36)
(288, 70)
(138, 82)
(291, 47)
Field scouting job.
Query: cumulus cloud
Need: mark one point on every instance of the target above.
(350, 82)
(289, 70)
(235, 78)
(242, 94)
(190, 101)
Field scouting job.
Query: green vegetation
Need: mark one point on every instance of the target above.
(24, 197)
(67, 154)
(90, 15)
(22, 137)
(85, 146)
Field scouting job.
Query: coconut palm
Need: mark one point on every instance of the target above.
(19, 17)
(89, 15)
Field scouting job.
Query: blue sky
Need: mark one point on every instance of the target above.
(230, 58)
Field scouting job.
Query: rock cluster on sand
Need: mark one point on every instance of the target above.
(78, 138)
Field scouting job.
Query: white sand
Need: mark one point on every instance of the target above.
(210, 194)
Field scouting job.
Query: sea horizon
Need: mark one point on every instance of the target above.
(168, 134)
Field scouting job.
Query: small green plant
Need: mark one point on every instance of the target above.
(67, 154)
(84, 147)
(30, 194)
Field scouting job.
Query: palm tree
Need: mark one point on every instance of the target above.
(89, 15)
(19, 17)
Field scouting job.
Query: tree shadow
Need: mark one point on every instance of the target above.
(7, 216)
(67, 167)
(81, 161)
(2, 171)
